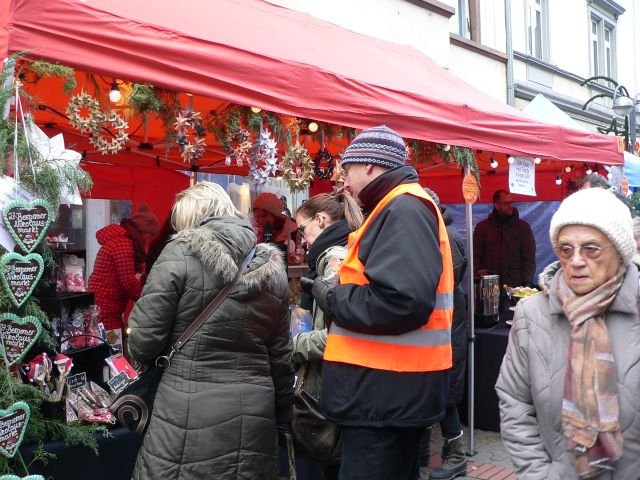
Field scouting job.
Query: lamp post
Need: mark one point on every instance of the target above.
(628, 107)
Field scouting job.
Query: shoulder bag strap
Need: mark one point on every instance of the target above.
(165, 360)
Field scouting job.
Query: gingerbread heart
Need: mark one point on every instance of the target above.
(13, 424)
(27, 222)
(11, 476)
(18, 335)
(20, 275)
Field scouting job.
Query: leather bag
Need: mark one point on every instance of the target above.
(313, 434)
(134, 405)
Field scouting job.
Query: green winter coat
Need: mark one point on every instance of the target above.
(217, 405)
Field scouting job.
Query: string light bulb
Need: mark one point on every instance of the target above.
(558, 180)
(511, 159)
(537, 160)
(256, 109)
(609, 176)
(494, 163)
(588, 171)
(446, 148)
(114, 94)
(313, 127)
(567, 169)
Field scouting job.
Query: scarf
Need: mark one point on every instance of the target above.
(590, 404)
(335, 234)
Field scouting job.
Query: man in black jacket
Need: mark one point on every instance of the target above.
(373, 384)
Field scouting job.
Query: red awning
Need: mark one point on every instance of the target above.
(251, 52)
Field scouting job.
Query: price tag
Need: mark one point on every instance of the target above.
(119, 382)
(76, 381)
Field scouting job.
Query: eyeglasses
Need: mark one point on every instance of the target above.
(304, 224)
(589, 251)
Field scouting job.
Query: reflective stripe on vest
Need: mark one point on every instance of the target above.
(425, 349)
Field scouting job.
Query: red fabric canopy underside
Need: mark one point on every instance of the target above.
(256, 53)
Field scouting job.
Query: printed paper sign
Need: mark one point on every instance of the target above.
(522, 176)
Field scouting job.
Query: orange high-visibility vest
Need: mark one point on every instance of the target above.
(425, 349)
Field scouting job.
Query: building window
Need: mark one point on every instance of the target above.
(602, 46)
(537, 29)
(460, 23)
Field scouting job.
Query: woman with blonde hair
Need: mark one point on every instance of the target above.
(325, 222)
(219, 403)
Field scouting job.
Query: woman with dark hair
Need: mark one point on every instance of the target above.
(325, 222)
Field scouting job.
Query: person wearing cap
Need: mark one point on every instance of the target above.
(118, 270)
(269, 213)
(570, 380)
(388, 351)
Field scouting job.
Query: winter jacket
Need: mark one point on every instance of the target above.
(531, 382)
(459, 326)
(114, 276)
(217, 405)
(401, 256)
(507, 247)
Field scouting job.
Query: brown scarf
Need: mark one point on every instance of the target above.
(590, 404)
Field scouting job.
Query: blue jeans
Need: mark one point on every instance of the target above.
(379, 453)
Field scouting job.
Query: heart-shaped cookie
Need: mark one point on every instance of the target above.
(27, 222)
(13, 423)
(20, 275)
(18, 335)
(16, 477)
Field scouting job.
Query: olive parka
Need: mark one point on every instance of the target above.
(217, 405)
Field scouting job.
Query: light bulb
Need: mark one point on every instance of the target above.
(256, 109)
(494, 163)
(114, 94)
(313, 127)
(511, 159)
(567, 169)
(537, 160)
(558, 180)
(446, 148)
(588, 171)
(609, 176)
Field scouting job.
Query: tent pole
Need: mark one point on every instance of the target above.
(470, 319)
(8, 69)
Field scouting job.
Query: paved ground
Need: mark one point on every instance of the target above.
(489, 451)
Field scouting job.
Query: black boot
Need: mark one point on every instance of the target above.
(424, 453)
(454, 460)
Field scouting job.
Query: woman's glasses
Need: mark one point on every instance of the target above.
(304, 224)
(592, 252)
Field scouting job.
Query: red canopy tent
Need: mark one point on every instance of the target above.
(288, 62)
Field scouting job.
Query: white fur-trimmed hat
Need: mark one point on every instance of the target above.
(597, 208)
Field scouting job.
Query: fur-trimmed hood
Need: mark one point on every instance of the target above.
(222, 243)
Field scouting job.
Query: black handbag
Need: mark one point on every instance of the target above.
(134, 405)
(313, 434)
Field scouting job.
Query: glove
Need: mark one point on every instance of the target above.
(284, 429)
(306, 284)
(321, 290)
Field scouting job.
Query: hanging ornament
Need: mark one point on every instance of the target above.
(188, 125)
(115, 144)
(85, 102)
(323, 156)
(238, 146)
(264, 161)
(297, 166)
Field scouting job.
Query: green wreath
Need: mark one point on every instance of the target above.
(297, 166)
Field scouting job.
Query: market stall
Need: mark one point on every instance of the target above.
(218, 71)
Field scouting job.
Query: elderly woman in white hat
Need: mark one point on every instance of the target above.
(569, 386)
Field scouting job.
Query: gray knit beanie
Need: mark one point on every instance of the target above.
(598, 208)
(377, 146)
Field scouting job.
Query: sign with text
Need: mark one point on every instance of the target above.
(18, 335)
(119, 382)
(78, 380)
(522, 176)
(10, 190)
(13, 423)
(20, 275)
(27, 221)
